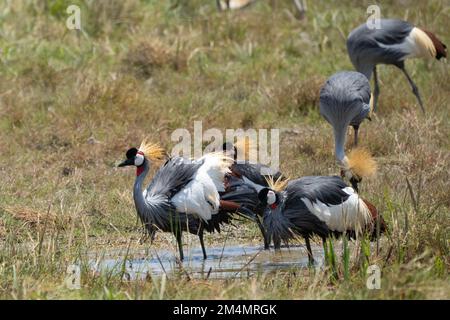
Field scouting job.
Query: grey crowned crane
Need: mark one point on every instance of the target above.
(316, 205)
(183, 195)
(392, 43)
(345, 100)
(246, 179)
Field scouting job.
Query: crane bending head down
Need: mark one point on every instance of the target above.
(346, 100)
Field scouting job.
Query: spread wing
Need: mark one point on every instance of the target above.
(176, 173)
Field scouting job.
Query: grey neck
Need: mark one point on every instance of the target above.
(138, 196)
(339, 141)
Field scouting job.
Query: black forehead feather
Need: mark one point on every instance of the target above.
(262, 195)
(131, 153)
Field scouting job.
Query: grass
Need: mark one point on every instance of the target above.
(72, 103)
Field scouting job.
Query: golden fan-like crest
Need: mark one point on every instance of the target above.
(247, 147)
(361, 163)
(277, 185)
(225, 161)
(152, 151)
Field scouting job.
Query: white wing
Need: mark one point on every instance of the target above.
(200, 197)
(215, 167)
(416, 45)
(352, 214)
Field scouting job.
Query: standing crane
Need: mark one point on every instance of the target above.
(392, 43)
(317, 205)
(248, 178)
(183, 195)
(345, 100)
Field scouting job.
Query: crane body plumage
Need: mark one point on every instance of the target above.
(345, 101)
(200, 196)
(183, 195)
(317, 205)
(249, 178)
(392, 43)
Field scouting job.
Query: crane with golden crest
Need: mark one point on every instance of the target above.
(183, 194)
(320, 206)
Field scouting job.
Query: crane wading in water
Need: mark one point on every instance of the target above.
(317, 205)
(183, 195)
(345, 100)
(392, 43)
(248, 178)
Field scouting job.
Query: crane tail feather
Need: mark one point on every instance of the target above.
(429, 44)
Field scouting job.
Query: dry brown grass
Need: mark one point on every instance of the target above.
(146, 56)
(72, 103)
(33, 218)
(298, 96)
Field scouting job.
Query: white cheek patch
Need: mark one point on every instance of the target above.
(271, 197)
(138, 160)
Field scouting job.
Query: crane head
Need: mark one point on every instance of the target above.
(268, 198)
(352, 177)
(357, 165)
(134, 158)
(138, 157)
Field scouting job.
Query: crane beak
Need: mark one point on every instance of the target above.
(128, 162)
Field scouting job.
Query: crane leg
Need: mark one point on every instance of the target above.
(178, 235)
(276, 243)
(325, 249)
(200, 236)
(415, 90)
(310, 255)
(376, 89)
(263, 231)
(301, 8)
(356, 128)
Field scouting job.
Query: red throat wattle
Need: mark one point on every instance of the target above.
(139, 170)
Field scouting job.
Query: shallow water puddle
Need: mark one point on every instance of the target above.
(228, 262)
